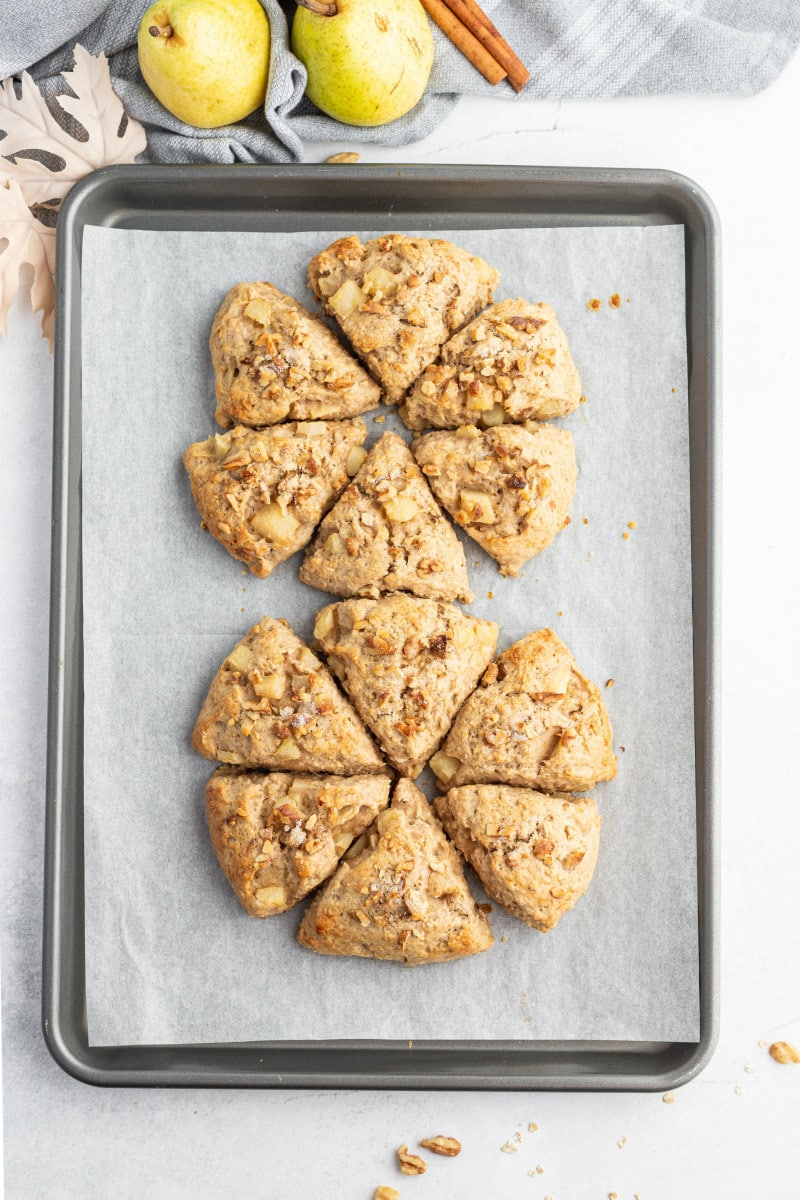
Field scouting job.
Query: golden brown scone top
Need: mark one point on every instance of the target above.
(398, 299)
(407, 664)
(262, 492)
(534, 721)
(386, 533)
(277, 836)
(399, 893)
(535, 854)
(510, 487)
(273, 361)
(273, 704)
(511, 364)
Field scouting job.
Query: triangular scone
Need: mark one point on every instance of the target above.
(408, 665)
(261, 493)
(510, 487)
(386, 533)
(399, 893)
(273, 704)
(534, 854)
(274, 361)
(398, 299)
(510, 364)
(535, 721)
(278, 836)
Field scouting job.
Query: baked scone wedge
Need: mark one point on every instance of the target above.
(398, 894)
(272, 704)
(509, 487)
(273, 361)
(386, 533)
(535, 854)
(398, 299)
(511, 364)
(261, 493)
(408, 665)
(534, 721)
(277, 836)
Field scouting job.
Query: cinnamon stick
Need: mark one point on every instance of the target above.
(476, 21)
(465, 41)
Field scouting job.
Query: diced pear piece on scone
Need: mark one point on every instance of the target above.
(272, 704)
(261, 493)
(398, 299)
(534, 721)
(534, 854)
(386, 533)
(408, 665)
(511, 364)
(274, 361)
(509, 487)
(398, 894)
(278, 836)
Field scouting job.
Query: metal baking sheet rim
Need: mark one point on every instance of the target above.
(258, 197)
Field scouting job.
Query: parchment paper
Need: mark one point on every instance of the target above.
(170, 956)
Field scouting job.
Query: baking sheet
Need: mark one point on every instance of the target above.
(170, 956)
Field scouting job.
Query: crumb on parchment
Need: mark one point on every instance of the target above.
(594, 304)
(668, 1097)
(615, 300)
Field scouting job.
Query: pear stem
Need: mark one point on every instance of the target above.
(164, 31)
(323, 8)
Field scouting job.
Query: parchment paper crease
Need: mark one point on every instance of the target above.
(170, 956)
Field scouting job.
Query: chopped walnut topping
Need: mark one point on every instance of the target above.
(410, 1164)
(447, 1146)
(784, 1052)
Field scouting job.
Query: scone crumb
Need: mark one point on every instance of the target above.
(749, 1068)
(449, 1147)
(762, 1042)
(485, 908)
(518, 1136)
(668, 1097)
(346, 156)
(410, 1044)
(612, 1196)
(609, 683)
(594, 304)
(615, 300)
(379, 420)
(410, 1164)
(623, 1141)
(625, 537)
(739, 1089)
(784, 1052)
(532, 1127)
(386, 1193)
(631, 524)
(509, 1148)
(490, 595)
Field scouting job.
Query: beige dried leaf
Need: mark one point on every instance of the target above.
(30, 126)
(28, 242)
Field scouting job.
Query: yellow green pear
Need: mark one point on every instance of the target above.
(369, 62)
(207, 61)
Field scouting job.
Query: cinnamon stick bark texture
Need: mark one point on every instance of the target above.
(464, 41)
(476, 21)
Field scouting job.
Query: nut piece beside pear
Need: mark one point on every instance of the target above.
(207, 61)
(369, 62)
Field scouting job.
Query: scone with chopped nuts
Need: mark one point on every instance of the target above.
(273, 704)
(535, 854)
(534, 721)
(408, 665)
(509, 487)
(386, 533)
(278, 836)
(274, 361)
(261, 493)
(398, 299)
(511, 364)
(398, 894)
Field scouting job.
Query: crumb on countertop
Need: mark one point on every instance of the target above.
(615, 300)
(594, 304)
(784, 1052)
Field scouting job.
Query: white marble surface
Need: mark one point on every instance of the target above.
(730, 1133)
